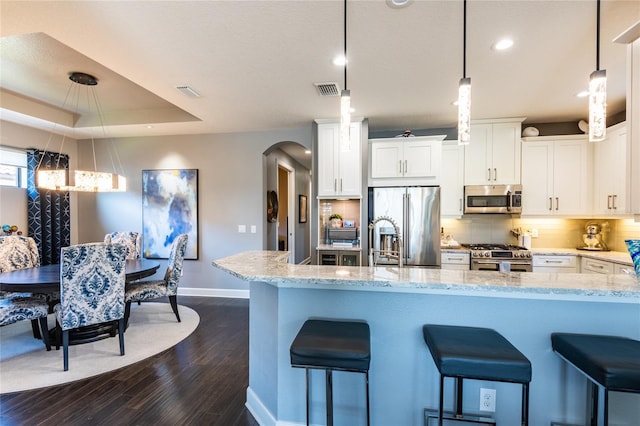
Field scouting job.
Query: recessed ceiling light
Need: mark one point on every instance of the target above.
(396, 4)
(339, 61)
(306, 151)
(503, 44)
(583, 94)
(149, 127)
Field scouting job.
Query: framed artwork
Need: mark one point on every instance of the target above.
(169, 208)
(302, 208)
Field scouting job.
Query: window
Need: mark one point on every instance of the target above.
(13, 167)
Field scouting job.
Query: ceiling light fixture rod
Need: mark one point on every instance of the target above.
(464, 40)
(345, 45)
(598, 36)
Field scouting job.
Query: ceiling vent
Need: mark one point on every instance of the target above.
(188, 91)
(328, 89)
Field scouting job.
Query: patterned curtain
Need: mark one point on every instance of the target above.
(48, 211)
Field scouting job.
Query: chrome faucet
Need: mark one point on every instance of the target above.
(389, 253)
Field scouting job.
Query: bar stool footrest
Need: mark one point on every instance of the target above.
(451, 418)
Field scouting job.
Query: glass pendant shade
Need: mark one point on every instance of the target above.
(464, 111)
(345, 120)
(598, 106)
(82, 180)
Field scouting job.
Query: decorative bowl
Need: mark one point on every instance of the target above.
(634, 250)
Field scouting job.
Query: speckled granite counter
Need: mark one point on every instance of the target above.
(524, 307)
(271, 267)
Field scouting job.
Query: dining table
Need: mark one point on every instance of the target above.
(46, 280)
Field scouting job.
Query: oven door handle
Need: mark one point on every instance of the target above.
(496, 262)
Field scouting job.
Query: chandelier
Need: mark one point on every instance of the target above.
(82, 180)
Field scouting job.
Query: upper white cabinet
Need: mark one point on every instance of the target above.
(405, 161)
(555, 176)
(612, 179)
(339, 169)
(452, 179)
(492, 156)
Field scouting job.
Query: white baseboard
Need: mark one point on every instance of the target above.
(262, 415)
(213, 292)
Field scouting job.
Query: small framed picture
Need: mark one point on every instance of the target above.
(349, 223)
(302, 208)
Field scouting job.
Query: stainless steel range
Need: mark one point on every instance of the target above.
(499, 257)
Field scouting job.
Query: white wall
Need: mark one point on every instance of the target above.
(13, 201)
(231, 187)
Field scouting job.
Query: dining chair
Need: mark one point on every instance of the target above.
(130, 239)
(143, 290)
(16, 309)
(18, 252)
(92, 278)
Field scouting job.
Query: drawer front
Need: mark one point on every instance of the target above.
(454, 258)
(592, 266)
(555, 261)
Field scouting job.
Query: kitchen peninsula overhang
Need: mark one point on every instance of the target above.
(270, 267)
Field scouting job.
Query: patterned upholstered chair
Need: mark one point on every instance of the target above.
(18, 252)
(92, 278)
(16, 309)
(139, 291)
(131, 240)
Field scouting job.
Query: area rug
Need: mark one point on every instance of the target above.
(25, 363)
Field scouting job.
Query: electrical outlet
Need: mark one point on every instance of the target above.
(487, 400)
(242, 229)
(534, 233)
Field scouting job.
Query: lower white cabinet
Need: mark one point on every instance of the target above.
(596, 266)
(555, 263)
(455, 260)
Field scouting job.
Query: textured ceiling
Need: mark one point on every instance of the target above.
(255, 62)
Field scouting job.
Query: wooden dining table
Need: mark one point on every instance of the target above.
(46, 280)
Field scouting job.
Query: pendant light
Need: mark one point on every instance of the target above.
(464, 90)
(598, 93)
(345, 98)
(82, 180)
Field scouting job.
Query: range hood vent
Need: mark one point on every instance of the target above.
(328, 89)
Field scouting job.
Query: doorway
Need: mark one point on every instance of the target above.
(286, 211)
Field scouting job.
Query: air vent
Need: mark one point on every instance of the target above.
(188, 91)
(328, 89)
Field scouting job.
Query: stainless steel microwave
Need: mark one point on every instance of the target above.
(493, 199)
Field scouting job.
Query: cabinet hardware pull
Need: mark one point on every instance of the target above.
(400, 165)
(495, 174)
(405, 166)
(340, 184)
(609, 202)
(335, 185)
(489, 174)
(550, 204)
(553, 261)
(615, 197)
(557, 203)
(460, 199)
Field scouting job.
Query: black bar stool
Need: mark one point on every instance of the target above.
(332, 345)
(610, 362)
(475, 353)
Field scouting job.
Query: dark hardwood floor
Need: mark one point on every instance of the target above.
(202, 380)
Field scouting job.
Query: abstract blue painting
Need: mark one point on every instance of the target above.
(169, 208)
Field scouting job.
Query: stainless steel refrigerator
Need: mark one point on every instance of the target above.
(416, 211)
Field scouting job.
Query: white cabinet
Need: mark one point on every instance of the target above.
(595, 266)
(612, 178)
(457, 260)
(405, 161)
(492, 156)
(339, 170)
(555, 176)
(555, 263)
(452, 179)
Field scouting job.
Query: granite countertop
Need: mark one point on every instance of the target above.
(271, 267)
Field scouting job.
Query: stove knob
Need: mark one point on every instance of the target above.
(487, 254)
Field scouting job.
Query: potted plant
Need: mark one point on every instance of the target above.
(335, 220)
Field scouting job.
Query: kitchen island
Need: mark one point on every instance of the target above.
(525, 307)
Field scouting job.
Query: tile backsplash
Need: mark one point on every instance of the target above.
(552, 233)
